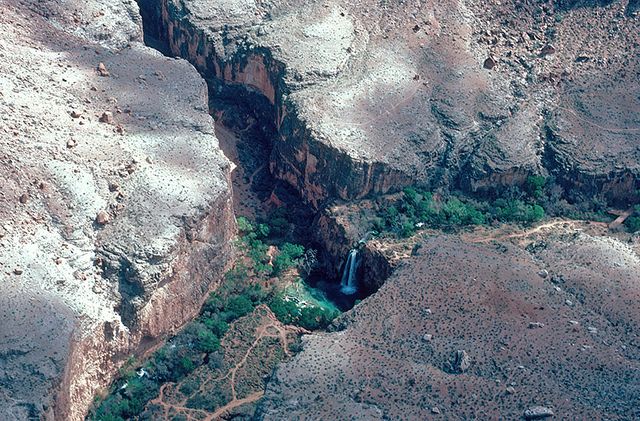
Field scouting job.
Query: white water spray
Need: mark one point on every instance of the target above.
(348, 283)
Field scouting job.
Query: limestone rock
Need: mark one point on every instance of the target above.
(316, 66)
(56, 351)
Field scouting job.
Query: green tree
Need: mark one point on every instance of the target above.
(633, 223)
(207, 341)
(216, 325)
(535, 185)
(238, 306)
(288, 257)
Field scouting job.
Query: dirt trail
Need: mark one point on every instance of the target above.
(615, 224)
(234, 404)
(609, 129)
(485, 236)
(269, 327)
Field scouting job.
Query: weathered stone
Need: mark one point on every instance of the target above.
(102, 70)
(106, 117)
(461, 361)
(103, 218)
(489, 63)
(547, 50)
(538, 412)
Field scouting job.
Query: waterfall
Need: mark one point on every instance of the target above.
(348, 283)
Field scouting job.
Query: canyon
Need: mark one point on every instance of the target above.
(118, 218)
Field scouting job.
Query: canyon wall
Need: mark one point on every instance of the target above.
(368, 100)
(116, 217)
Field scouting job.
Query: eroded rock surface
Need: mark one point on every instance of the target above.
(451, 330)
(371, 96)
(112, 230)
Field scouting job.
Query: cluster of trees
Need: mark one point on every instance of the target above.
(254, 243)
(538, 197)
(189, 349)
(417, 208)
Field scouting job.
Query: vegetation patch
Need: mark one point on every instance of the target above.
(256, 280)
(539, 198)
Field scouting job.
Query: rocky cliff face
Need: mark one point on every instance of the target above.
(473, 95)
(115, 209)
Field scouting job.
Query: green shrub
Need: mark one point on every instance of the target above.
(185, 366)
(408, 229)
(216, 325)
(278, 223)
(313, 318)
(458, 213)
(517, 211)
(285, 310)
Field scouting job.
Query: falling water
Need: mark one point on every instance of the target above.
(348, 283)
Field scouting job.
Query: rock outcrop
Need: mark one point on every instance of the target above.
(450, 330)
(112, 229)
(368, 97)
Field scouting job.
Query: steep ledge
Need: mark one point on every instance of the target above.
(368, 100)
(116, 217)
(318, 171)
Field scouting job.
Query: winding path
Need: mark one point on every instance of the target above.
(269, 327)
